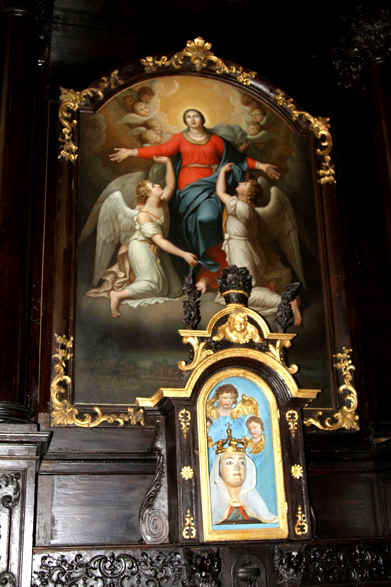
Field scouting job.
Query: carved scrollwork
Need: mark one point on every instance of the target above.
(146, 569)
(320, 127)
(10, 484)
(8, 579)
(198, 53)
(199, 353)
(10, 492)
(191, 306)
(63, 412)
(204, 568)
(352, 564)
(153, 520)
(289, 564)
(346, 416)
(71, 101)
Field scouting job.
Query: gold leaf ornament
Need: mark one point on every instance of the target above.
(320, 127)
(70, 102)
(187, 473)
(346, 417)
(189, 530)
(63, 412)
(198, 52)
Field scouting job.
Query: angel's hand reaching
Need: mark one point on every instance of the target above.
(190, 259)
(271, 171)
(226, 167)
(160, 159)
(121, 153)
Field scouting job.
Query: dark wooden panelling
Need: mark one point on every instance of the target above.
(90, 509)
(346, 504)
(102, 440)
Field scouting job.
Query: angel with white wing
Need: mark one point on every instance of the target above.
(143, 273)
(245, 246)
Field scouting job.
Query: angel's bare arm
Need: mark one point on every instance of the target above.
(170, 177)
(221, 185)
(170, 248)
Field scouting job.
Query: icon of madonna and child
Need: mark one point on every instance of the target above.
(241, 456)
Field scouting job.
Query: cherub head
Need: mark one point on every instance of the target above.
(249, 191)
(151, 137)
(255, 427)
(141, 108)
(248, 101)
(154, 124)
(128, 101)
(145, 190)
(253, 128)
(258, 115)
(146, 94)
(225, 396)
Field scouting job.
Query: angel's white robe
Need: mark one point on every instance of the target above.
(242, 249)
(155, 278)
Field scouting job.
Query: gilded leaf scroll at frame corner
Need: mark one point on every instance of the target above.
(346, 417)
(320, 127)
(63, 412)
(70, 103)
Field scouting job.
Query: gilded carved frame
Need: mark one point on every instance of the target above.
(195, 57)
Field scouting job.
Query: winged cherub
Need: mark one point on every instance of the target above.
(242, 246)
(143, 273)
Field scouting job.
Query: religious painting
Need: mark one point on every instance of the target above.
(178, 175)
(242, 482)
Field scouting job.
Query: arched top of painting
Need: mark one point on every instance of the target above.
(254, 107)
(149, 100)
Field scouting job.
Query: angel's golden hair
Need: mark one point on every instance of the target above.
(254, 191)
(143, 191)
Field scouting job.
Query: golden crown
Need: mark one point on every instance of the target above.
(231, 444)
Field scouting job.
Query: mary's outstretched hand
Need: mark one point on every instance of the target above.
(121, 153)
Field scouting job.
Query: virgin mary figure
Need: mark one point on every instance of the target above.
(234, 498)
(195, 209)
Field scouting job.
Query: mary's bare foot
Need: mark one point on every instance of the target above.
(114, 304)
(202, 285)
(297, 318)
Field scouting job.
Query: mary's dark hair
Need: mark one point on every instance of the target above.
(193, 110)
